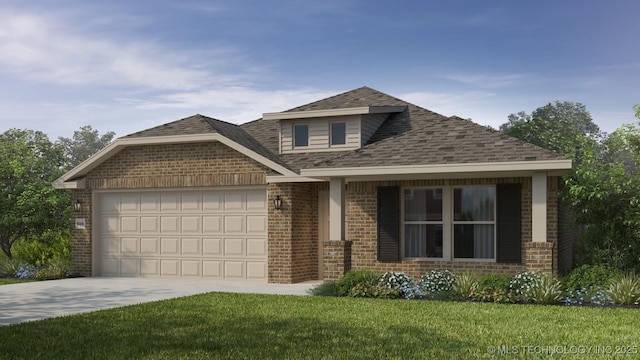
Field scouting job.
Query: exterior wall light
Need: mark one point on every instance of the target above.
(77, 206)
(277, 203)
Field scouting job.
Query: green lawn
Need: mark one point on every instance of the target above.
(236, 326)
(12, 281)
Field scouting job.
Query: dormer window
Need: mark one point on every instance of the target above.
(338, 133)
(301, 135)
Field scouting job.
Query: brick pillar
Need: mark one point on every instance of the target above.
(336, 259)
(539, 257)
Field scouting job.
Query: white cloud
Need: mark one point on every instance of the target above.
(42, 49)
(487, 81)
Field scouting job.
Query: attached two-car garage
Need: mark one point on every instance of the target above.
(219, 233)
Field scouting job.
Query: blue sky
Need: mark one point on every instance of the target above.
(125, 66)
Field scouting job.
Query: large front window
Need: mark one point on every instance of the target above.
(449, 222)
(301, 135)
(474, 222)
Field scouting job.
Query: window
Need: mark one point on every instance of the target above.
(301, 135)
(338, 133)
(474, 222)
(423, 223)
(449, 223)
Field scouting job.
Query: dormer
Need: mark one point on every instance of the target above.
(329, 130)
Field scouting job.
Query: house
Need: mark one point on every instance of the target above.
(357, 180)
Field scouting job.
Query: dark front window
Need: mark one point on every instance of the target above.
(474, 222)
(338, 133)
(423, 227)
(301, 135)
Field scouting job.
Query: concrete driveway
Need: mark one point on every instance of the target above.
(46, 299)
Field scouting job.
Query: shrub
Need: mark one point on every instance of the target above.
(523, 283)
(353, 278)
(586, 276)
(26, 271)
(50, 247)
(594, 295)
(494, 282)
(465, 284)
(402, 282)
(436, 281)
(324, 289)
(625, 290)
(375, 291)
(9, 266)
(547, 290)
(54, 270)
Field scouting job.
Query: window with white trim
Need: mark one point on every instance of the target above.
(300, 135)
(449, 222)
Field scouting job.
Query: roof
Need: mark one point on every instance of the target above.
(414, 137)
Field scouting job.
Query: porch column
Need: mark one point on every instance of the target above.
(336, 209)
(539, 207)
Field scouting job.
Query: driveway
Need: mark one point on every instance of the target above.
(46, 299)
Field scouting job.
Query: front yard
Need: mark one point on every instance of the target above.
(221, 325)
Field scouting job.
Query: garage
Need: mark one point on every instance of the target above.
(218, 233)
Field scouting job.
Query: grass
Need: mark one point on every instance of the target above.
(220, 325)
(7, 281)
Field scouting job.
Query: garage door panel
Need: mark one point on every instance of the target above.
(129, 224)
(129, 246)
(256, 224)
(149, 224)
(234, 223)
(211, 246)
(257, 247)
(169, 246)
(256, 269)
(149, 267)
(149, 246)
(190, 224)
(214, 234)
(169, 267)
(190, 268)
(169, 224)
(190, 246)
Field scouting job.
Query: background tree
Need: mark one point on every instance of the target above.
(564, 127)
(85, 142)
(29, 205)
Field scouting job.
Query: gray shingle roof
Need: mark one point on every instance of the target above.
(414, 137)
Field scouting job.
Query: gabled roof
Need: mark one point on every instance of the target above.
(411, 140)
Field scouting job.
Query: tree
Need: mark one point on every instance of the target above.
(29, 205)
(85, 142)
(563, 127)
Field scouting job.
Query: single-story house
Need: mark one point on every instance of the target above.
(360, 180)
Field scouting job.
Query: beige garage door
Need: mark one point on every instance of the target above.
(216, 234)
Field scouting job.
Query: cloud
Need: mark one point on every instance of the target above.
(42, 49)
(487, 81)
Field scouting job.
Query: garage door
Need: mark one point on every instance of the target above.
(217, 234)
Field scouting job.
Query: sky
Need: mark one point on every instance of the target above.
(126, 66)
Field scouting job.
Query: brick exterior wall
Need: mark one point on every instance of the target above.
(160, 166)
(293, 233)
(361, 212)
(336, 259)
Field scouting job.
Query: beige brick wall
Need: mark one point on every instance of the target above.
(160, 166)
(361, 202)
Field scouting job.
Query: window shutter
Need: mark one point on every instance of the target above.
(388, 223)
(508, 223)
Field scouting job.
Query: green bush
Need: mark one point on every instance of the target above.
(547, 290)
(625, 290)
(356, 277)
(465, 284)
(9, 267)
(55, 270)
(375, 291)
(324, 289)
(586, 276)
(494, 282)
(523, 283)
(51, 247)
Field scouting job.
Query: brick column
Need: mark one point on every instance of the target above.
(539, 257)
(336, 259)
